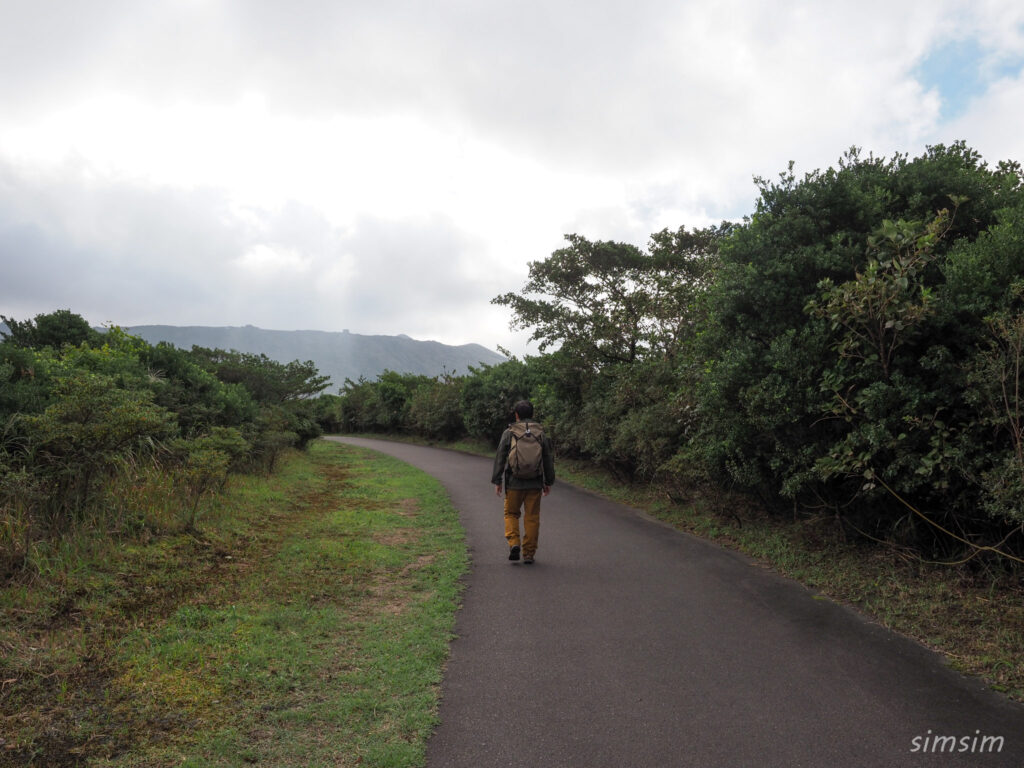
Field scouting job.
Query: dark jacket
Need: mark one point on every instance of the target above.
(501, 472)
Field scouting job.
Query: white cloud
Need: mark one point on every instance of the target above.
(163, 255)
(992, 125)
(389, 167)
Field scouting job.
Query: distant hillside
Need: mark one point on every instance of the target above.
(338, 355)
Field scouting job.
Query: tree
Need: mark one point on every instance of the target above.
(490, 393)
(85, 434)
(619, 388)
(196, 395)
(997, 392)
(54, 329)
(839, 328)
(25, 382)
(269, 381)
(609, 302)
(880, 307)
(435, 408)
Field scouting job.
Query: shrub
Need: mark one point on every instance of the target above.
(82, 438)
(435, 409)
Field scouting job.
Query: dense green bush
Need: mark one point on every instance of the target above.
(356, 411)
(200, 400)
(26, 385)
(382, 405)
(53, 329)
(92, 425)
(84, 437)
(327, 413)
(490, 393)
(435, 410)
(843, 332)
(268, 381)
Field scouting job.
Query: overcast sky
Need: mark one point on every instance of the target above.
(389, 167)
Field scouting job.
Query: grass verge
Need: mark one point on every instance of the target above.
(306, 624)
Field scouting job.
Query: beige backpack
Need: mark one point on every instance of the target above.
(525, 453)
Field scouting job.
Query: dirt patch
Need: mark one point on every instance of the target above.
(53, 704)
(408, 507)
(421, 562)
(397, 537)
(387, 597)
(386, 601)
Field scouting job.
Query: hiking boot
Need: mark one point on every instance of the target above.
(513, 554)
(528, 559)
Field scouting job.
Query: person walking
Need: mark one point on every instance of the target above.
(525, 466)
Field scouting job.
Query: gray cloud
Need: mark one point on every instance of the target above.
(93, 247)
(619, 85)
(630, 116)
(422, 263)
(189, 257)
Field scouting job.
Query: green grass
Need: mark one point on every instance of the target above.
(307, 624)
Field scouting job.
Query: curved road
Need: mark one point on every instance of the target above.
(631, 645)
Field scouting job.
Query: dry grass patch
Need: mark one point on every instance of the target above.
(408, 507)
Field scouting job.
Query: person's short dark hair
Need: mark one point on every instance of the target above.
(524, 408)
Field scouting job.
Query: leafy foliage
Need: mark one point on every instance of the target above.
(53, 329)
(609, 302)
(82, 438)
(201, 400)
(489, 395)
(840, 328)
(267, 380)
(89, 420)
(435, 408)
(202, 473)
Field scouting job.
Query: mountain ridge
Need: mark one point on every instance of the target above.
(339, 354)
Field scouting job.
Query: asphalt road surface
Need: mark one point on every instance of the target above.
(629, 644)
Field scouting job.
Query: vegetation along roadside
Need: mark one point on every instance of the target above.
(304, 622)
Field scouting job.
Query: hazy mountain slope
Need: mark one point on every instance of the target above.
(338, 355)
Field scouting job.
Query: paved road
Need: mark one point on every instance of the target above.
(631, 645)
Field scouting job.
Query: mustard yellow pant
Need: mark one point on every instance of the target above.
(527, 502)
